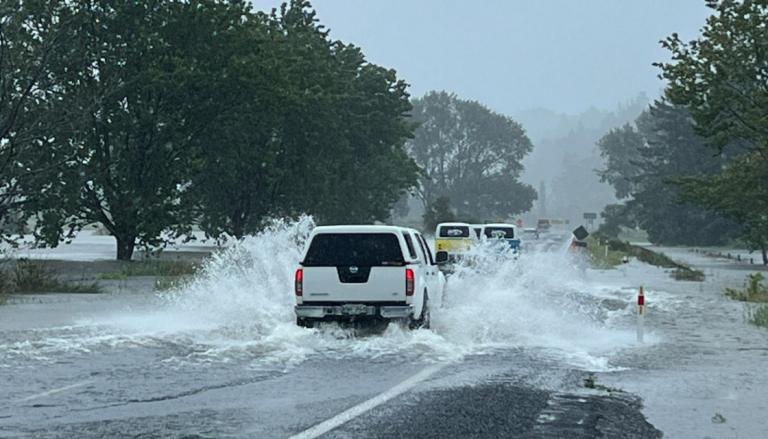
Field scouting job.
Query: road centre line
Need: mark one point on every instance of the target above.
(355, 411)
(54, 391)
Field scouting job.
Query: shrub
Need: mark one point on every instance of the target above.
(754, 290)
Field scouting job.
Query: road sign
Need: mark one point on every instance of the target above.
(580, 233)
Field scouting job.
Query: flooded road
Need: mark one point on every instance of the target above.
(507, 355)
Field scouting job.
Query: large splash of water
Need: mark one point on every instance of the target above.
(241, 307)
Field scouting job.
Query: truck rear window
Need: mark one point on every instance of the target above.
(454, 232)
(358, 249)
(500, 232)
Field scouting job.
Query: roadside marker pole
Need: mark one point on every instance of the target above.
(640, 314)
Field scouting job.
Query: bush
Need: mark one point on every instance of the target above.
(754, 290)
(759, 316)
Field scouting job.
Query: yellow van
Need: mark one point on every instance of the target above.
(452, 239)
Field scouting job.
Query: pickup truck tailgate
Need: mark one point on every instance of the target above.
(354, 284)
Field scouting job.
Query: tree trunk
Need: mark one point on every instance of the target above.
(125, 246)
(765, 254)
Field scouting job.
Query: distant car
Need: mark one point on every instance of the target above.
(366, 272)
(506, 232)
(530, 233)
(452, 240)
(543, 225)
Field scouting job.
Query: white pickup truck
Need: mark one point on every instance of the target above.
(366, 272)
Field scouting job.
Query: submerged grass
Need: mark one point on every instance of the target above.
(609, 253)
(754, 290)
(170, 283)
(759, 316)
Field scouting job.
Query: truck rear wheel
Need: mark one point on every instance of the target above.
(423, 320)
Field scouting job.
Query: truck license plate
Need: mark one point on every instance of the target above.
(354, 310)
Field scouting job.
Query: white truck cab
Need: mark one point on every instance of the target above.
(355, 272)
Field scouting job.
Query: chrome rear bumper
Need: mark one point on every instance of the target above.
(352, 310)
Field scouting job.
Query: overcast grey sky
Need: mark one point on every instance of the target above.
(516, 55)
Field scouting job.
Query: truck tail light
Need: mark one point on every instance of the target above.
(299, 285)
(409, 282)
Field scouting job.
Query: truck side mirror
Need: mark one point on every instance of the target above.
(441, 257)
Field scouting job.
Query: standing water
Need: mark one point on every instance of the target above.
(240, 308)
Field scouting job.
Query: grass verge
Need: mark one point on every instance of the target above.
(153, 267)
(608, 253)
(29, 276)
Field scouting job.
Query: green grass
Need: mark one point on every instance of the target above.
(30, 276)
(759, 316)
(598, 256)
(688, 274)
(170, 282)
(152, 267)
(617, 250)
(754, 290)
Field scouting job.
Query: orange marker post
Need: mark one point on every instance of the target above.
(640, 315)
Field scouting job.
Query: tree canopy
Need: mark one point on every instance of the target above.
(154, 117)
(644, 163)
(470, 155)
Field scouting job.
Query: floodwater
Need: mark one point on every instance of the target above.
(221, 355)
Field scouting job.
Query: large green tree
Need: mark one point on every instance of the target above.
(310, 127)
(721, 76)
(137, 108)
(643, 164)
(472, 156)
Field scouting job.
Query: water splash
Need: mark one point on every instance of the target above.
(240, 308)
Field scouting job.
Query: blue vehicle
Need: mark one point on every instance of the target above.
(507, 232)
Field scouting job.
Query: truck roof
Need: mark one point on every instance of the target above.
(360, 229)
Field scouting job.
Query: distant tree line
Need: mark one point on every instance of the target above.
(694, 169)
(149, 117)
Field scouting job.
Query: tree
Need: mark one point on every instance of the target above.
(143, 98)
(721, 77)
(740, 193)
(644, 163)
(621, 149)
(471, 155)
(311, 127)
(32, 43)
(439, 211)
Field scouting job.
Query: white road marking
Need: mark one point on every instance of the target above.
(54, 391)
(352, 413)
